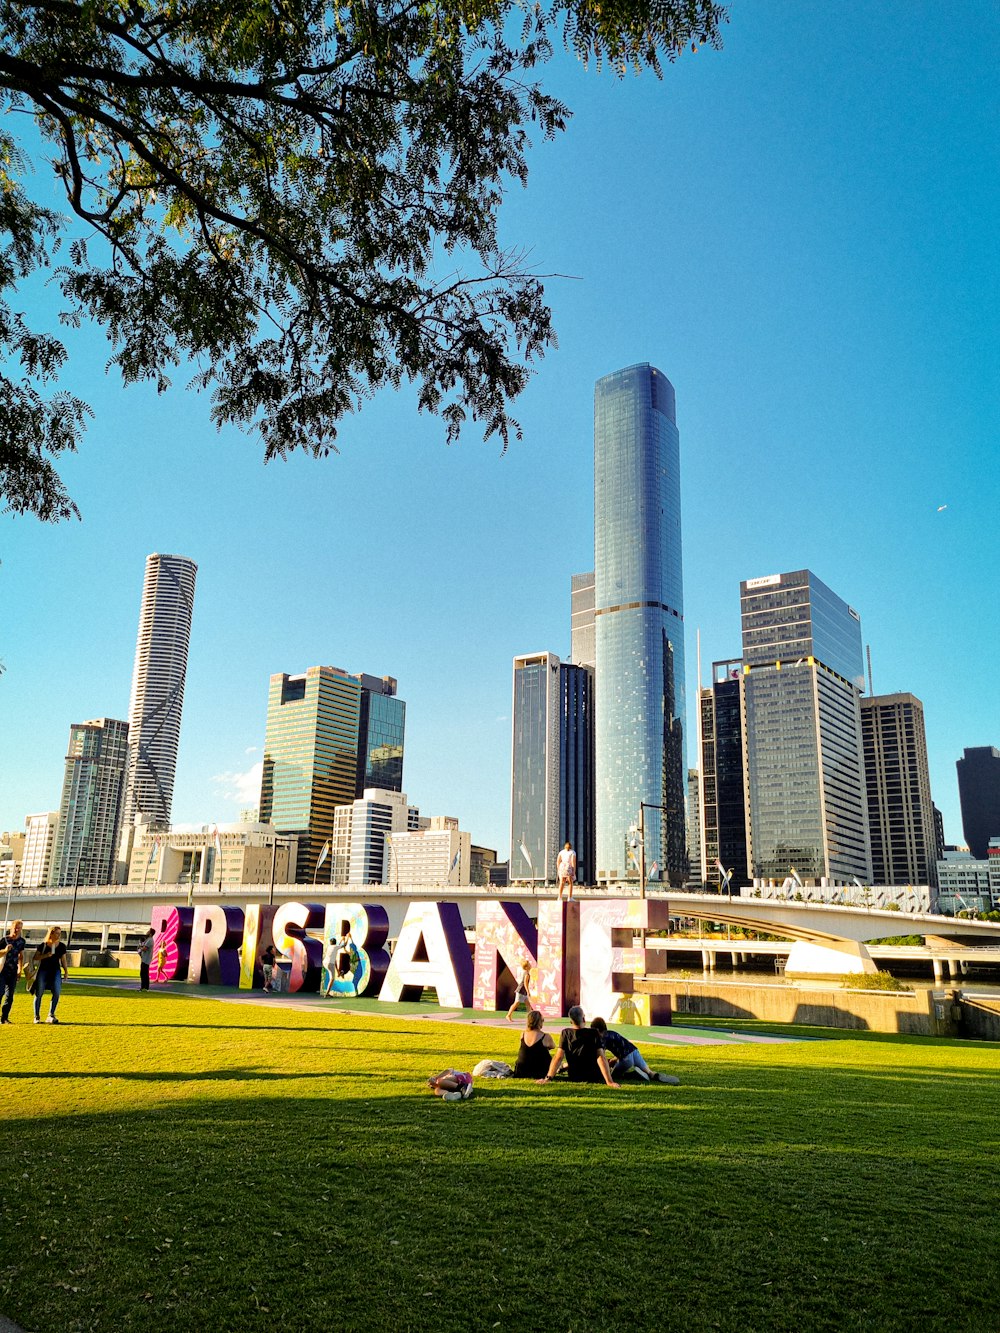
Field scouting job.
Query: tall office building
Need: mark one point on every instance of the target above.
(376, 818)
(576, 766)
(638, 614)
(381, 728)
(583, 650)
(979, 793)
(723, 793)
(802, 676)
(86, 837)
(898, 784)
(534, 801)
(154, 718)
(310, 758)
(40, 833)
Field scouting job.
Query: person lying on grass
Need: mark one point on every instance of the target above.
(628, 1057)
(583, 1051)
(451, 1085)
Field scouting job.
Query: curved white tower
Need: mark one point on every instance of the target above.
(161, 654)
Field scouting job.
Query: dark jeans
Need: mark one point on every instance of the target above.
(8, 984)
(54, 987)
(144, 976)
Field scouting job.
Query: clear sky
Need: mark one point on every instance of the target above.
(799, 231)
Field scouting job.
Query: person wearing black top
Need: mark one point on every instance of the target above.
(50, 959)
(583, 1051)
(11, 966)
(535, 1051)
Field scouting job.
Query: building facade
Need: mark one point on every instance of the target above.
(897, 779)
(86, 838)
(310, 758)
(963, 882)
(220, 855)
(802, 676)
(724, 812)
(979, 793)
(437, 855)
(381, 731)
(376, 819)
(583, 648)
(39, 836)
(639, 625)
(161, 655)
(576, 766)
(535, 767)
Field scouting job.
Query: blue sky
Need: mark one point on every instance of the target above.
(800, 231)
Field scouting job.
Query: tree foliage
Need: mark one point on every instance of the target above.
(300, 199)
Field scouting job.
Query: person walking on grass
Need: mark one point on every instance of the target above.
(50, 960)
(628, 1057)
(583, 1052)
(522, 996)
(11, 967)
(145, 952)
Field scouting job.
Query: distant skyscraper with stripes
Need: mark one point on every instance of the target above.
(161, 656)
(87, 831)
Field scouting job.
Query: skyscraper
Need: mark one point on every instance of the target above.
(802, 676)
(381, 729)
(898, 784)
(154, 718)
(639, 622)
(576, 766)
(534, 802)
(310, 757)
(979, 793)
(583, 650)
(37, 862)
(723, 780)
(86, 838)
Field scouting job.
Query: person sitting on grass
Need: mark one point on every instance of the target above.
(583, 1051)
(535, 1051)
(628, 1057)
(451, 1085)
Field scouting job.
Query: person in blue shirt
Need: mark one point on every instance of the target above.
(628, 1057)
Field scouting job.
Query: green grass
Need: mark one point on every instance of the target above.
(196, 1164)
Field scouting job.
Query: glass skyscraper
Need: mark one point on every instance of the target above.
(381, 729)
(979, 793)
(534, 793)
(723, 784)
(639, 622)
(576, 766)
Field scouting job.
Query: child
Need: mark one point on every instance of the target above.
(451, 1085)
(523, 993)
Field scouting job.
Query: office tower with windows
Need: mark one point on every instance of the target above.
(802, 676)
(898, 784)
(534, 798)
(381, 728)
(576, 766)
(979, 793)
(376, 817)
(161, 656)
(723, 780)
(40, 834)
(583, 651)
(639, 625)
(310, 759)
(86, 837)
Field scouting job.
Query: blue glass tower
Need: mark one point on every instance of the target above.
(639, 622)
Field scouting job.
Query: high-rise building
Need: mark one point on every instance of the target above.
(40, 832)
(723, 779)
(576, 766)
(979, 793)
(535, 737)
(376, 818)
(381, 728)
(938, 834)
(898, 784)
(694, 875)
(437, 855)
(154, 718)
(310, 757)
(802, 676)
(86, 837)
(639, 622)
(583, 650)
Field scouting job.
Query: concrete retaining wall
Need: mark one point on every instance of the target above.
(980, 1018)
(921, 1013)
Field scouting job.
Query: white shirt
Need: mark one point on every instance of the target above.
(566, 863)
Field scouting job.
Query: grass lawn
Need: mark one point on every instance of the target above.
(201, 1164)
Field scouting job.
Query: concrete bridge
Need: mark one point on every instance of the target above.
(827, 939)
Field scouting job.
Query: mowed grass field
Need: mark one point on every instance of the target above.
(186, 1163)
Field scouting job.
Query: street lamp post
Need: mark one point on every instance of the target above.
(643, 807)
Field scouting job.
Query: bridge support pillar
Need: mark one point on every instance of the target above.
(937, 971)
(706, 960)
(105, 936)
(832, 958)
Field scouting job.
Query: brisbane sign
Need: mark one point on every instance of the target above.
(585, 953)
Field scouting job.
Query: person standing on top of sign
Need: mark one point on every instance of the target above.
(566, 870)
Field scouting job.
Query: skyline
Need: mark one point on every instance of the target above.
(815, 275)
